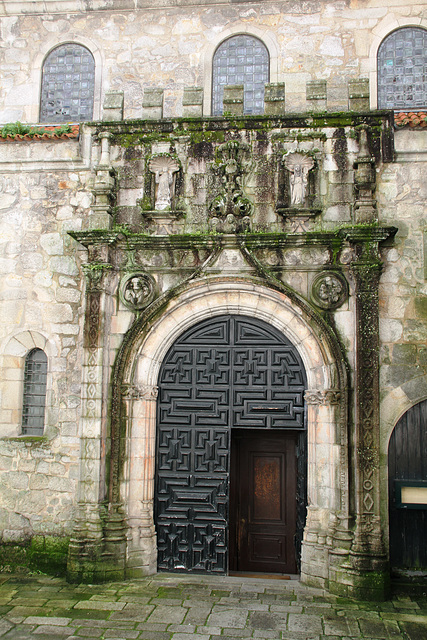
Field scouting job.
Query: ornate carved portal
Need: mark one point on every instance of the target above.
(224, 375)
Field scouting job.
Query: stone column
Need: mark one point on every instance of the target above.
(104, 187)
(141, 411)
(370, 575)
(86, 548)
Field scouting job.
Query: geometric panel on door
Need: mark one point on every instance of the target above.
(201, 450)
(203, 547)
(193, 498)
(226, 372)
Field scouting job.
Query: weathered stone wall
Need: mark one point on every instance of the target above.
(41, 306)
(172, 47)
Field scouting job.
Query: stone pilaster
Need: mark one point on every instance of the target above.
(369, 575)
(152, 104)
(85, 560)
(316, 95)
(326, 530)
(141, 403)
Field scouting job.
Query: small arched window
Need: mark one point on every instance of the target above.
(34, 400)
(240, 60)
(402, 70)
(68, 85)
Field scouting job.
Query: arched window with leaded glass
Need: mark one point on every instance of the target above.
(34, 399)
(68, 85)
(402, 70)
(241, 59)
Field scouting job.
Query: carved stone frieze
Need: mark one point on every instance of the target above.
(139, 392)
(322, 397)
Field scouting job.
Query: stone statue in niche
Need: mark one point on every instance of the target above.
(164, 167)
(299, 167)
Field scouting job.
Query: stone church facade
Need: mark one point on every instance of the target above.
(213, 298)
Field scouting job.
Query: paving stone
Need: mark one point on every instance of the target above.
(415, 630)
(100, 606)
(379, 629)
(155, 635)
(169, 614)
(189, 636)
(222, 616)
(61, 622)
(152, 626)
(340, 626)
(5, 625)
(89, 632)
(52, 630)
(135, 612)
(124, 633)
(304, 623)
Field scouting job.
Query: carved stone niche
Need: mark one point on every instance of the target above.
(162, 188)
(297, 191)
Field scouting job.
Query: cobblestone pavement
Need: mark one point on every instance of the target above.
(177, 607)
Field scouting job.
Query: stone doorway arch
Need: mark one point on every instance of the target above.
(132, 469)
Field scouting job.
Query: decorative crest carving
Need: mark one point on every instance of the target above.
(230, 211)
(164, 167)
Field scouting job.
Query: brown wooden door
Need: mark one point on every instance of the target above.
(263, 506)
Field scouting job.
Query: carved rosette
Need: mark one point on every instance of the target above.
(137, 290)
(329, 290)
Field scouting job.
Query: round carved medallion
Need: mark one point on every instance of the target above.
(137, 290)
(329, 290)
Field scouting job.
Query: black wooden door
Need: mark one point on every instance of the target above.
(263, 514)
(228, 372)
(407, 468)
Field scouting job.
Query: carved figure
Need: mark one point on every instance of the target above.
(163, 167)
(137, 291)
(299, 167)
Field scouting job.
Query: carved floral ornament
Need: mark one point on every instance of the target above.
(137, 290)
(329, 290)
(164, 167)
